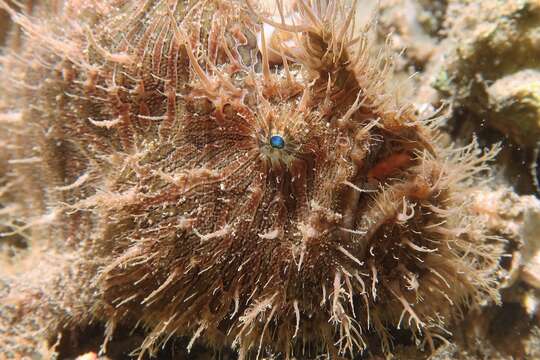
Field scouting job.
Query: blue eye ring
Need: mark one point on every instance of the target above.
(277, 141)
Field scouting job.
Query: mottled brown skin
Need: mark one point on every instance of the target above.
(147, 182)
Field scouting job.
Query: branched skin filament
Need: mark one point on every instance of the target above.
(240, 177)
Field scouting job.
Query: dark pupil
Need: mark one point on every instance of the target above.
(277, 142)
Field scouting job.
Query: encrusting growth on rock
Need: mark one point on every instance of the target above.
(241, 176)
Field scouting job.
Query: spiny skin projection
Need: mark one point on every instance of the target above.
(242, 177)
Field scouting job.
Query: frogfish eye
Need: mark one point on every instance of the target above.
(277, 142)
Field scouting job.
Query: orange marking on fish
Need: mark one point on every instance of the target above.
(390, 165)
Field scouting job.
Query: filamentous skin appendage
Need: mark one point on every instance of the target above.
(238, 173)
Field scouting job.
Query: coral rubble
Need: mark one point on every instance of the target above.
(241, 174)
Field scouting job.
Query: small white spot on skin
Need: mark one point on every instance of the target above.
(216, 234)
(308, 231)
(11, 117)
(80, 180)
(185, 223)
(105, 123)
(297, 313)
(29, 160)
(88, 356)
(412, 281)
(352, 231)
(273, 234)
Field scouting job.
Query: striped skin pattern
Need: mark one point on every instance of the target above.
(239, 173)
